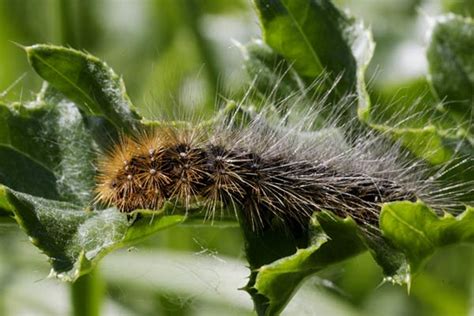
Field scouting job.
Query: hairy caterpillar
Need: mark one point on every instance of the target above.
(268, 168)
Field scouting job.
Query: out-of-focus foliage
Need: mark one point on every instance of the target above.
(176, 56)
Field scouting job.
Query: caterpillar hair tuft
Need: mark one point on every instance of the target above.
(268, 168)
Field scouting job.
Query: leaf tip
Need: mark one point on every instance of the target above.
(19, 45)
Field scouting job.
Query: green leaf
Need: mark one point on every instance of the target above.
(417, 231)
(274, 78)
(390, 259)
(462, 7)
(412, 115)
(427, 143)
(75, 239)
(317, 38)
(46, 149)
(451, 150)
(86, 80)
(439, 134)
(451, 64)
(406, 104)
(331, 240)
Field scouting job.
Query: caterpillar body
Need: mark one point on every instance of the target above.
(263, 172)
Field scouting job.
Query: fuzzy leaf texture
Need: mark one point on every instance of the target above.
(75, 239)
(316, 38)
(273, 284)
(413, 231)
(437, 126)
(272, 74)
(416, 230)
(293, 32)
(451, 64)
(47, 150)
(86, 80)
(48, 189)
(435, 136)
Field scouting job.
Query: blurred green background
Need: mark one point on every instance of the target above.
(182, 56)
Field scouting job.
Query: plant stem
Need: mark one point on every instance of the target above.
(86, 294)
